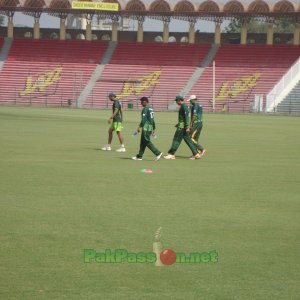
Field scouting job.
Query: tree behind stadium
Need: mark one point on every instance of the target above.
(254, 26)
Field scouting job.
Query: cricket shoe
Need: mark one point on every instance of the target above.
(136, 158)
(169, 156)
(196, 156)
(106, 148)
(158, 156)
(121, 149)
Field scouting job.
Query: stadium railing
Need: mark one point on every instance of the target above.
(283, 87)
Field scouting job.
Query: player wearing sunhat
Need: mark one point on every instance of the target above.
(116, 123)
(196, 123)
(147, 127)
(182, 131)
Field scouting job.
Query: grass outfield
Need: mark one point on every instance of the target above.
(60, 194)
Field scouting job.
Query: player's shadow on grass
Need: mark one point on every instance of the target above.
(133, 159)
(183, 157)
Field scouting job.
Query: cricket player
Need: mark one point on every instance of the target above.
(147, 128)
(182, 131)
(196, 123)
(116, 124)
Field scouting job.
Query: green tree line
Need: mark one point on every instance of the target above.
(255, 26)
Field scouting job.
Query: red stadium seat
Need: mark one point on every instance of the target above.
(243, 71)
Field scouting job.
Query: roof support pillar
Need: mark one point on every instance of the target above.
(166, 32)
(36, 28)
(270, 34)
(297, 34)
(192, 33)
(140, 32)
(88, 26)
(244, 32)
(218, 34)
(114, 27)
(10, 27)
(62, 30)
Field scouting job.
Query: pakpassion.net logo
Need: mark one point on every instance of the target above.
(166, 257)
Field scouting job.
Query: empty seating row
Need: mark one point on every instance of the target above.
(156, 70)
(48, 72)
(241, 72)
(52, 72)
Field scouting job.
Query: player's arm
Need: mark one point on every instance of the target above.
(113, 115)
(200, 112)
(153, 124)
(140, 126)
(193, 118)
(143, 121)
(115, 112)
(186, 119)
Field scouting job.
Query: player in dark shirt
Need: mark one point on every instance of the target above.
(182, 131)
(116, 124)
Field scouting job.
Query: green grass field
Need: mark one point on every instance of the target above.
(61, 194)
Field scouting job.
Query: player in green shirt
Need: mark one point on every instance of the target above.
(116, 124)
(182, 131)
(196, 124)
(147, 128)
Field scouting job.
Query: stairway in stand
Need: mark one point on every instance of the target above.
(159, 71)
(241, 72)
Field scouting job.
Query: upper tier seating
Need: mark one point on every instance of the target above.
(241, 72)
(50, 72)
(153, 69)
(54, 72)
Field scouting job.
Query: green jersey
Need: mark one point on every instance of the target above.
(147, 122)
(183, 116)
(118, 116)
(196, 111)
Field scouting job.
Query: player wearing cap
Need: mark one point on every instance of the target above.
(196, 123)
(182, 131)
(147, 126)
(116, 123)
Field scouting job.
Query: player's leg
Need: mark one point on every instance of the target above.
(151, 146)
(110, 137)
(120, 136)
(143, 145)
(198, 132)
(178, 136)
(195, 133)
(200, 147)
(190, 144)
(118, 128)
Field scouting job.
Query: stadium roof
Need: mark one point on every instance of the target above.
(165, 7)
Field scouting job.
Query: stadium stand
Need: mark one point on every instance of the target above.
(241, 72)
(48, 72)
(153, 69)
(54, 72)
